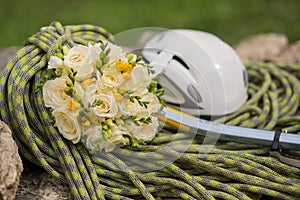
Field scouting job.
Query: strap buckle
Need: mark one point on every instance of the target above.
(276, 152)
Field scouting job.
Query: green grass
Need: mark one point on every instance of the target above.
(231, 20)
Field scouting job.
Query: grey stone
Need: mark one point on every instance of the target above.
(11, 164)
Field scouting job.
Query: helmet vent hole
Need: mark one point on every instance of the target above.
(245, 77)
(181, 62)
(159, 86)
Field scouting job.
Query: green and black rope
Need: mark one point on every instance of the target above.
(227, 171)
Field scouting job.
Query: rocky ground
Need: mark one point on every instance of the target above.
(23, 180)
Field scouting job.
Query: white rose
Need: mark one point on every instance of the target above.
(53, 93)
(81, 60)
(111, 77)
(143, 132)
(67, 123)
(115, 54)
(129, 108)
(55, 62)
(93, 137)
(140, 78)
(107, 106)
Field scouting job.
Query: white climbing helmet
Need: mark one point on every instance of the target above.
(203, 74)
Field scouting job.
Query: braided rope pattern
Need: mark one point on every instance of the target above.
(226, 171)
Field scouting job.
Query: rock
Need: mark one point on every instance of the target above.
(290, 55)
(36, 184)
(261, 47)
(10, 165)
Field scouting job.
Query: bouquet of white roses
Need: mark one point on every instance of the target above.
(101, 96)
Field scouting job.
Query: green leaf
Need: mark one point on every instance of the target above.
(139, 58)
(107, 51)
(131, 99)
(97, 102)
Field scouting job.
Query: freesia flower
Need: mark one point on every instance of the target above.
(153, 104)
(93, 137)
(116, 53)
(143, 132)
(123, 67)
(116, 140)
(140, 78)
(55, 63)
(95, 51)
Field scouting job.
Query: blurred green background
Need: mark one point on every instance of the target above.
(231, 20)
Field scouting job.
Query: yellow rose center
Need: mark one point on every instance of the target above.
(104, 106)
(111, 77)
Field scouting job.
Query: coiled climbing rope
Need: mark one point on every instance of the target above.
(227, 171)
(274, 99)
